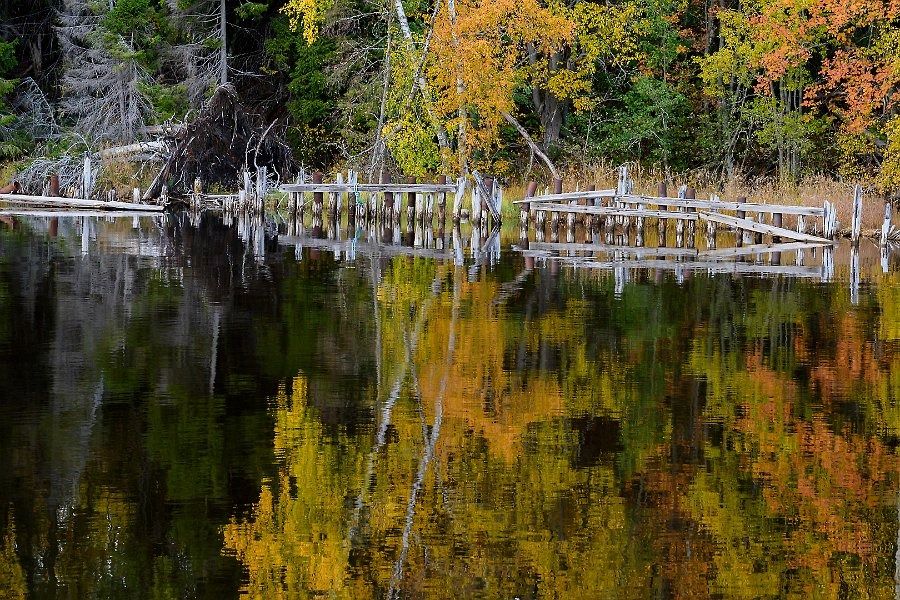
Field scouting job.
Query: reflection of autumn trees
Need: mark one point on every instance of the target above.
(595, 447)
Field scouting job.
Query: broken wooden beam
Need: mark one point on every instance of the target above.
(612, 210)
(763, 228)
(565, 197)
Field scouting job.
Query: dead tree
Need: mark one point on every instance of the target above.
(202, 54)
(102, 80)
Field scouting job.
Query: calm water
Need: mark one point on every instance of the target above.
(197, 410)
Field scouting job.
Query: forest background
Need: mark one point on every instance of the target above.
(762, 90)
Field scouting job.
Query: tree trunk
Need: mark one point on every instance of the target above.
(223, 48)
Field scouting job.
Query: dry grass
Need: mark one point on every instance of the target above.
(811, 191)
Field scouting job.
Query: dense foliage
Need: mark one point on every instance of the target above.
(786, 87)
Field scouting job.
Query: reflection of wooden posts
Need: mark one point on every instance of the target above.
(856, 220)
(525, 209)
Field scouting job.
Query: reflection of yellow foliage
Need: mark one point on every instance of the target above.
(12, 577)
(294, 542)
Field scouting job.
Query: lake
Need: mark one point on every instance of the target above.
(193, 406)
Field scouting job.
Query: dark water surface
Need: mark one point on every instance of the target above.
(197, 410)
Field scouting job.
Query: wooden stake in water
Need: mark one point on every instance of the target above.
(856, 219)
(886, 225)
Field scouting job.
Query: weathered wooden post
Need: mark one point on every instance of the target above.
(856, 221)
(387, 205)
(886, 225)
(589, 218)
(87, 177)
(352, 201)
(442, 204)
(458, 199)
(54, 185)
(690, 193)
(760, 218)
(525, 207)
(410, 205)
(662, 190)
(741, 214)
(334, 208)
(135, 194)
(554, 216)
(318, 199)
(487, 200)
(679, 224)
(777, 221)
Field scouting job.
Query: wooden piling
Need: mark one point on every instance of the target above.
(525, 208)
(589, 219)
(411, 206)
(54, 185)
(487, 199)
(387, 210)
(662, 190)
(777, 220)
(318, 199)
(856, 219)
(886, 225)
(442, 204)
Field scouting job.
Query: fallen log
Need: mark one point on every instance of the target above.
(51, 201)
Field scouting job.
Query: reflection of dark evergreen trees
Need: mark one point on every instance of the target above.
(110, 391)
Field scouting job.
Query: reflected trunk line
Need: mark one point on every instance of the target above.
(428, 450)
(386, 412)
(376, 279)
(214, 353)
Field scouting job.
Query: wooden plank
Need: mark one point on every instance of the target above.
(54, 201)
(568, 196)
(396, 188)
(786, 209)
(606, 248)
(612, 210)
(757, 249)
(761, 227)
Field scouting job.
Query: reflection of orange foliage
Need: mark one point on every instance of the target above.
(682, 552)
(825, 484)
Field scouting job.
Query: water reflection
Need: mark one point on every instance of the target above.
(195, 407)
